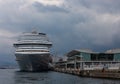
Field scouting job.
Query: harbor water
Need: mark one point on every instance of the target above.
(13, 76)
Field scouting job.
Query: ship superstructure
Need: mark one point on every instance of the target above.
(32, 51)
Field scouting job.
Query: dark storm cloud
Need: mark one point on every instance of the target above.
(101, 6)
(99, 32)
(48, 8)
(92, 24)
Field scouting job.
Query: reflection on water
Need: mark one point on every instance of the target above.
(9, 76)
(30, 78)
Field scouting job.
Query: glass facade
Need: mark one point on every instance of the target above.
(102, 57)
(86, 56)
(117, 56)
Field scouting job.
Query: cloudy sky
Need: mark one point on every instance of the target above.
(70, 24)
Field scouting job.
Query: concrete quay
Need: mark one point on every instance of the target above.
(109, 74)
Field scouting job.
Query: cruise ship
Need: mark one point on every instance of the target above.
(33, 52)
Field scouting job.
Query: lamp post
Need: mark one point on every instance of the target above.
(81, 64)
(75, 63)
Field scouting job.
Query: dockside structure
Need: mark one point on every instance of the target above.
(89, 60)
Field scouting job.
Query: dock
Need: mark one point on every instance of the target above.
(110, 71)
(86, 63)
(91, 73)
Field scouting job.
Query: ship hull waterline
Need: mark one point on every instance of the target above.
(34, 62)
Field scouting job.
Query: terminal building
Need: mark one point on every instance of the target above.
(88, 60)
(89, 55)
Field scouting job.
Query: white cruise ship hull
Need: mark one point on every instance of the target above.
(32, 51)
(34, 62)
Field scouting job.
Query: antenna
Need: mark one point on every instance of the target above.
(34, 30)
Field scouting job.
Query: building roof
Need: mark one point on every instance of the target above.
(77, 51)
(113, 51)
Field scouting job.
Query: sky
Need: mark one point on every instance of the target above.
(70, 24)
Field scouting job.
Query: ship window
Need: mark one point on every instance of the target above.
(32, 51)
